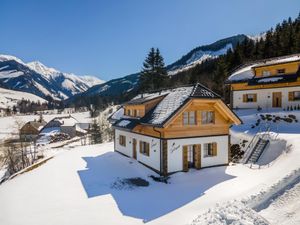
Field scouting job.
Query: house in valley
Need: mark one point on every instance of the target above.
(65, 124)
(176, 129)
(30, 130)
(269, 83)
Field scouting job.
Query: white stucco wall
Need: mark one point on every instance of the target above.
(264, 98)
(175, 146)
(153, 160)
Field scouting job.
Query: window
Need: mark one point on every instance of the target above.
(294, 95)
(144, 148)
(281, 71)
(210, 149)
(134, 113)
(128, 112)
(249, 97)
(208, 117)
(122, 140)
(266, 73)
(189, 118)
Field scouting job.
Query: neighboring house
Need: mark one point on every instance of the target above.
(31, 130)
(269, 83)
(176, 129)
(67, 124)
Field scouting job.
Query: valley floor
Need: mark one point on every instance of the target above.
(89, 185)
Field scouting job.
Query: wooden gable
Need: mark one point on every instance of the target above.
(142, 108)
(174, 127)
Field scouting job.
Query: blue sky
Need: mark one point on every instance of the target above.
(111, 38)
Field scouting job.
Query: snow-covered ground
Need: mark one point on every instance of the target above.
(88, 185)
(10, 98)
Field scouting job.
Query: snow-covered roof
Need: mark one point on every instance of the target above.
(168, 105)
(245, 72)
(172, 100)
(66, 121)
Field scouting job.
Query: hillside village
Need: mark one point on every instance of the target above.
(162, 149)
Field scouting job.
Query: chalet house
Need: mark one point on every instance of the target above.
(66, 124)
(31, 130)
(176, 129)
(270, 83)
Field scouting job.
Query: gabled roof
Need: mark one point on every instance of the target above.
(245, 72)
(141, 99)
(173, 100)
(35, 124)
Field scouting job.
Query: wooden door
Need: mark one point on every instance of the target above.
(134, 148)
(185, 164)
(197, 156)
(277, 99)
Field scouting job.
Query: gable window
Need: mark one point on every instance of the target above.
(210, 149)
(189, 118)
(281, 71)
(144, 148)
(249, 97)
(266, 73)
(207, 117)
(122, 140)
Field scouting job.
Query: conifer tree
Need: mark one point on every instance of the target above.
(154, 73)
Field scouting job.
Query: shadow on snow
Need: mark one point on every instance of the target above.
(150, 202)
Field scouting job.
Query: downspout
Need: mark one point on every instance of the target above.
(160, 150)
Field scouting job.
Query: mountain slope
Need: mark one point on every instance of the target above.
(204, 52)
(9, 98)
(40, 80)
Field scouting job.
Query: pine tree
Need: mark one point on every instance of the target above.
(96, 136)
(154, 73)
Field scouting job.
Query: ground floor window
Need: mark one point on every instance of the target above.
(249, 97)
(210, 149)
(122, 140)
(296, 95)
(144, 148)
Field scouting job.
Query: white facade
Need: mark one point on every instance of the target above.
(174, 150)
(264, 98)
(153, 160)
(175, 147)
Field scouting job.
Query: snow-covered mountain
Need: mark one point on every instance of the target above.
(196, 56)
(36, 78)
(9, 98)
(204, 52)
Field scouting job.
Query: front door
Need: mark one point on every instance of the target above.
(277, 98)
(134, 148)
(191, 157)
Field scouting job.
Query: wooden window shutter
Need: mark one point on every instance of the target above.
(214, 146)
(291, 96)
(147, 149)
(185, 167)
(255, 98)
(244, 97)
